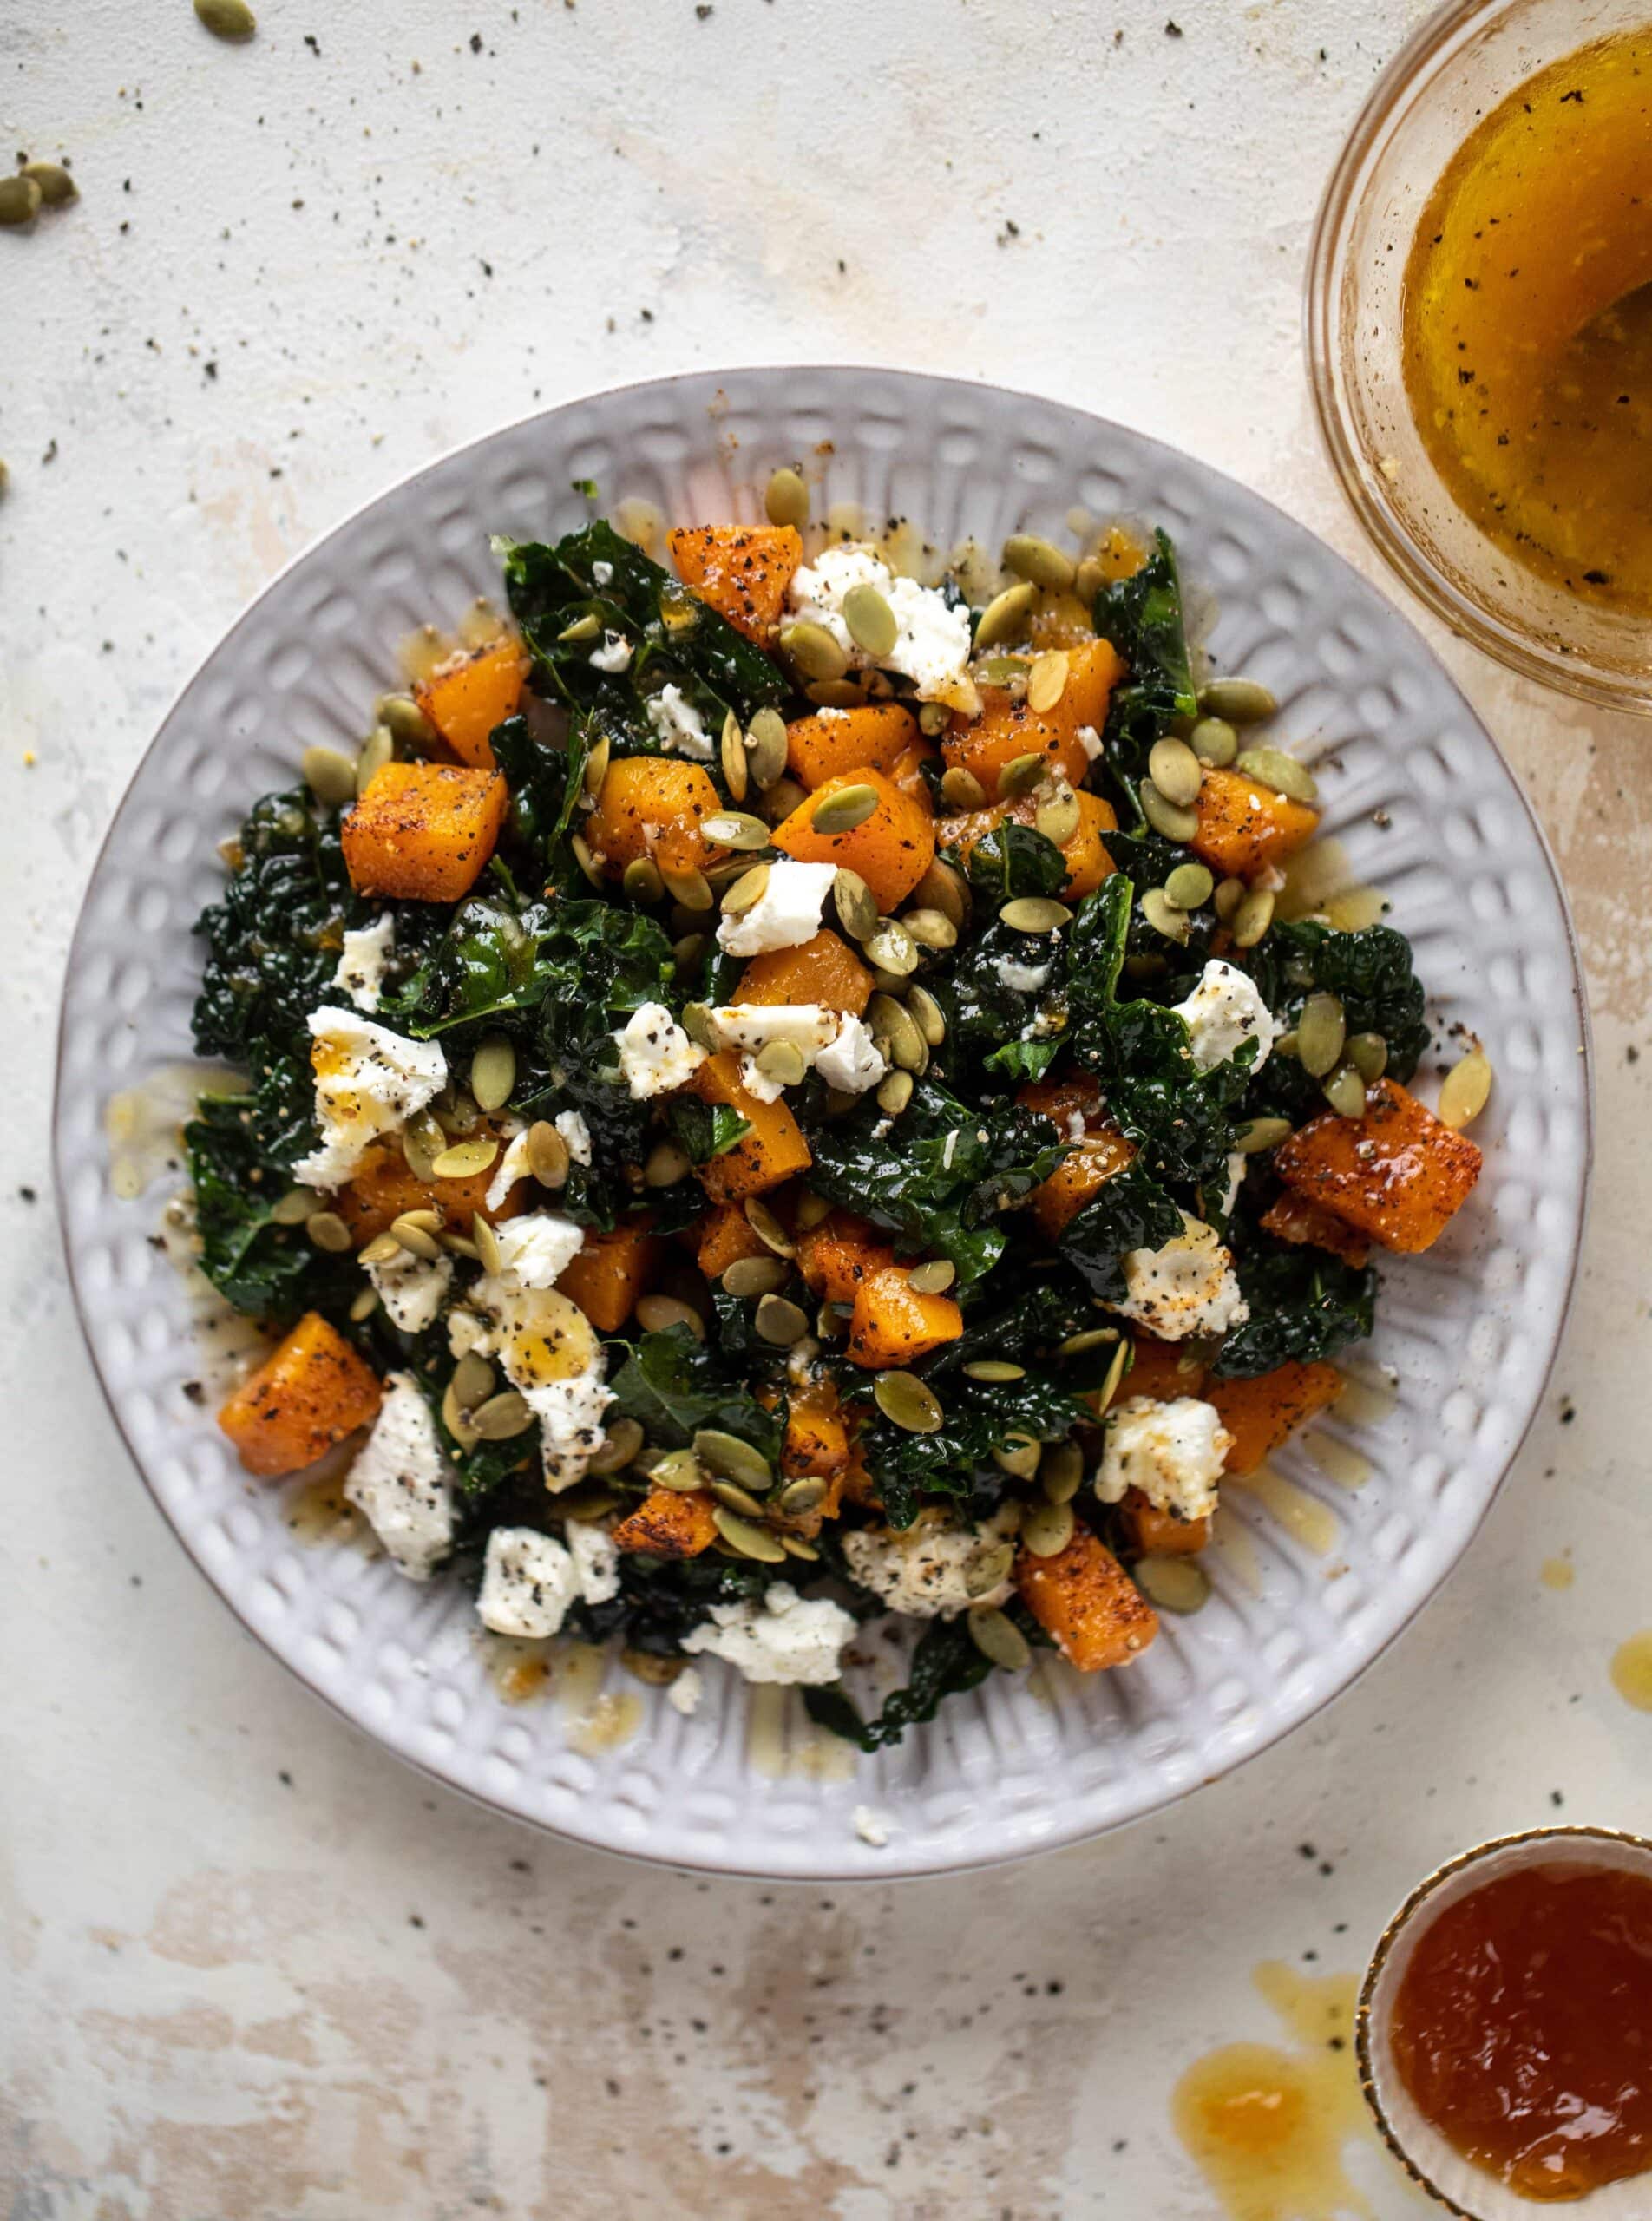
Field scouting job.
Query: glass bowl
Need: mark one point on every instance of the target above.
(1454, 69)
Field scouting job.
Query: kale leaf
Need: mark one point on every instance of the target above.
(671, 1384)
(269, 1271)
(705, 1130)
(1129, 1211)
(1014, 860)
(545, 786)
(1304, 1304)
(945, 1663)
(992, 1021)
(661, 1600)
(1141, 616)
(956, 1459)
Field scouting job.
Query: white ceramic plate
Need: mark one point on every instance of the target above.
(1472, 1327)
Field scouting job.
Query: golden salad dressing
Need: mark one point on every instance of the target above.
(1527, 324)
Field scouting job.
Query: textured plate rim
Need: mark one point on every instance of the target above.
(900, 1863)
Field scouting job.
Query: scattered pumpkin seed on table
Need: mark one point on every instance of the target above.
(785, 499)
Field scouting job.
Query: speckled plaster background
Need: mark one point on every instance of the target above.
(251, 1967)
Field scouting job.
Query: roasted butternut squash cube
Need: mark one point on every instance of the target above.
(770, 1151)
(1293, 1218)
(1087, 1603)
(836, 1256)
(742, 570)
(1398, 1174)
(1007, 728)
(1084, 848)
(1163, 1370)
(385, 1185)
(894, 1325)
(610, 1271)
(891, 849)
(466, 698)
(1262, 1412)
(722, 1238)
(423, 832)
(653, 806)
(1244, 829)
(834, 741)
(1101, 1151)
(313, 1390)
(1159, 1534)
(669, 1523)
(824, 970)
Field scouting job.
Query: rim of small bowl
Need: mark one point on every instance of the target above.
(1321, 324)
(1365, 2034)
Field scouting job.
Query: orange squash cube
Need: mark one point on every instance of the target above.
(1102, 1151)
(836, 1256)
(834, 741)
(1398, 1174)
(423, 832)
(770, 1151)
(1158, 1534)
(1163, 1370)
(653, 806)
(470, 694)
(1262, 1412)
(893, 1325)
(610, 1271)
(669, 1523)
(1293, 1218)
(1007, 728)
(742, 570)
(1086, 1603)
(385, 1185)
(313, 1390)
(891, 849)
(1244, 829)
(1088, 862)
(824, 970)
(722, 1238)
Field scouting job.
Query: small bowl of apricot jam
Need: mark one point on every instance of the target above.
(1480, 332)
(1505, 2028)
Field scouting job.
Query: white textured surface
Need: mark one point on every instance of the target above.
(212, 1999)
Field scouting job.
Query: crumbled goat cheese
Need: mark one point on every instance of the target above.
(412, 1289)
(786, 1638)
(537, 1249)
(1236, 1162)
(1075, 1127)
(787, 912)
(1224, 1011)
(835, 1042)
(360, 973)
(369, 1082)
(921, 1570)
(1090, 740)
(870, 1826)
(596, 1561)
(529, 1338)
(527, 1584)
(614, 654)
(679, 726)
(574, 1131)
(401, 1481)
(655, 1054)
(601, 574)
(1172, 1452)
(1025, 978)
(853, 1062)
(512, 1167)
(1187, 1288)
(932, 637)
(466, 1332)
(684, 1694)
(829, 715)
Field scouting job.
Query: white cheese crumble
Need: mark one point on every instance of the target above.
(529, 1338)
(655, 1054)
(401, 1481)
(829, 716)
(614, 654)
(574, 1131)
(1236, 1162)
(871, 1827)
(932, 636)
(527, 1584)
(536, 1249)
(596, 1561)
(512, 1167)
(921, 1570)
(1090, 740)
(1172, 1452)
(684, 1694)
(601, 574)
(787, 1638)
(1187, 1288)
(1025, 978)
(679, 726)
(360, 972)
(1224, 1011)
(369, 1082)
(853, 1062)
(412, 1289)
(833, 1042)
(787, 912)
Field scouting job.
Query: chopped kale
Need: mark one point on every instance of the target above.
(671, 1384)
(1304, 1304)
(705, 1130)
(979, 1417)
(945, 1663)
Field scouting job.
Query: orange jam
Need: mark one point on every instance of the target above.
(1523, 2027)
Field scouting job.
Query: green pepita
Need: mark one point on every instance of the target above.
(987, 1567)
(1089, 580)
(1061, 1471)
(688, 950)
(748, 1540)
(842, 810)
(701, 1027)
(460, 1245)
(996, 1636)
(1167, 818)
(328, 1231)
(680, 1471)
(656, 1314)
(667, 1163)
(1047, 1529)
(493, 1072)
(582, 628)
(1368, 1054)
(1175, 771)
(767, 1227)
(1466, 1089)
(731, 753)
(895, 1092)
(416, 1231)
(296, 1205)
(642, 882)
(364, 1304)
(1320, 1032)
(1164, 916)
(756, 1276)
(1180, 1585)
(502, 1417)
(1253, 918)
(813, 650)
(892, 949)
(1258, 1134)
(1046, 682)
(1005, 616)
(330, 775)
(548, 1155)
(1091, 1338)
(766, 746)
(994, 1369)
(596, 767)
(1112, 1378)
(934, 718)
(231, 19)
(734, 828)
(928, 1015)
(944, 889)
(1272, 768)
(1213, 740)
(1189, 885)
(1059, 819)
(457, 1419)
(1039, 560)
(1230, 894)
(799, 1497)
(908, 1403)
(472, 1381)
(737, 1499)
(423, 1142)
(871, 622)
(961, 790)
(617, 1448)
(57, 184)
(731, 1459)
(589, 868)
(692, 889)
(407, 723)
(780, 1321)
(933, 1277)
(1241, 701)
(1035, 914)
(930, 928)
(1021, 774)
(746, 892)
(465, 1159)
(785, 499)
(1344, 1091)
(857, 912)
(1019, 1454)
(376, 751)
(811, 1209)
(783, 1062)
(485, 1242)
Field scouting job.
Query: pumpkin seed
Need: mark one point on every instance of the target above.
(961, 789)
(944, 889)
(363, 1304)
(231, 19)
(926, 1015)
(589, 865)
(423, 1142)
(796, 1547)
(1189, 885)
(1165, 817)
(871, 622)
(1035, 914)
(1175, 771)
(701, 1026)
(502, 1417)
(1059, 819)
(895, 1092)
(485, 1243)
(736, 1498)
(328, 1231)
(1368, 1054)
(779, 1320)
(1230, 894)
(493, 1072)
(996, 1636)
(458, 1420)
(1061, 1471)
(933, 1277)
(934, 718)
(415, 1232)
(460, 1244)
(730, 1459)
(1213, 740)
(655, 1313)
(692, 889)
(1111, 1377)
(747, 891)
(749, 1541)
(782, 799)
(1004, 671)
(1089, 580)
(896, 1026)
(376, 751)
(641, 880)
(1019, 1454)
(1464, 1089)
(767, 1227)
(994, 1368)
(1047, 1529)
(472, 1381)
(1046, 682)
(667, 1163)
(1178, 1585)
(857, 912)
(465, 1159)
(687, 952)
(296, 1205)
(548, 1155)
(732, 751)
(330, 775)
(648, 1667)
(766, 745)
(680, 1471)
(1241, 701)
(799, 1497)
(1258, 1134)
(1344, 1091)
(930, 928)
(1021, 774)
(811, 1209)
(908, 1403)
(456, 1112)
(1253, 918)
(408, 723)
(1271, 767)
(782, 1061)
(842, 810)
(1320, 1032)
(617, 1448)
(892, 949)
(988, 1566)
(813, 650)
(734, 828)
(1091, 1339)
(582, 628)
(785, 499)
(596, 766)
(1039, 560)
(1164, 916)
(756, 1276)
(57, 185)
(1005, 616)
